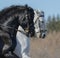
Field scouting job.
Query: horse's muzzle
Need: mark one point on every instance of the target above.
(43, 34)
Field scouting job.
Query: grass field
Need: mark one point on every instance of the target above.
(46, 48)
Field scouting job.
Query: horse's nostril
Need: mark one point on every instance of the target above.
(42, 35)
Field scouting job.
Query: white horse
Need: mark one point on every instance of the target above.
(23, 42)
(39, 24)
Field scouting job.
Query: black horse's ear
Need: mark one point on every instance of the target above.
(26, 5)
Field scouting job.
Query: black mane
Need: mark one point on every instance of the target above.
(10, 11)
(12, 8)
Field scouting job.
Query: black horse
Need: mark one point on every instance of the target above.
(10, 19)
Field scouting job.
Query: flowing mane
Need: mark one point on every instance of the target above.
(15, 10)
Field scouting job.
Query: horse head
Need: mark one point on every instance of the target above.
(39, 23)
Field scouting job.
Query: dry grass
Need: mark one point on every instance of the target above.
(46, 48)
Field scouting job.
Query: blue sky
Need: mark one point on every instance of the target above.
(50, 7)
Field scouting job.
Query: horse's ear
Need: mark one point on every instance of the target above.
(26, 5)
